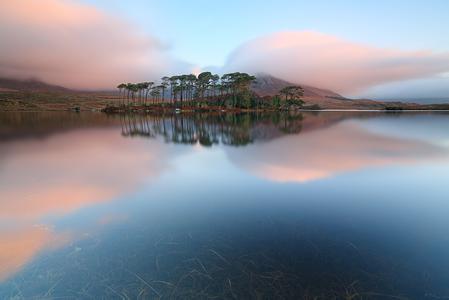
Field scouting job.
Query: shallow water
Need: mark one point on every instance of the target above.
(327, 205)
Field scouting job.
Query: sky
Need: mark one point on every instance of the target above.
(376, 49)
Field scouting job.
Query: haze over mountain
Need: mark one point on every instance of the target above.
(96, 44)
(265, 85)
(29, 85)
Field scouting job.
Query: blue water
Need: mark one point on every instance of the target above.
(327, 205)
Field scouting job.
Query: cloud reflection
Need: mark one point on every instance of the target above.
(20, 245)
(59, 175)
(325, 152)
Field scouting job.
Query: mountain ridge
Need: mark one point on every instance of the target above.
(29, 85)
(265, 86)
(268, 85)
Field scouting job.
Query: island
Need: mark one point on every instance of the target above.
(205, 92)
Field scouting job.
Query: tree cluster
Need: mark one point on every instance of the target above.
(232, 90)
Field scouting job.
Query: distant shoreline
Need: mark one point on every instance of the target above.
(58, 101)
(229, 111)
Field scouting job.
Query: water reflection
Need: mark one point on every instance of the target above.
(329, 151)
(26, 125)
(326, 147)
(60, 175)
(196, 206)
(208, 129)
(21, 243)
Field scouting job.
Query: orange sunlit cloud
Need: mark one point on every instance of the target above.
(323, 153)
(321, 60)
(75, 45)
(80, 46)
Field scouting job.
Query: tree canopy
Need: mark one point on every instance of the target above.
(229, 91)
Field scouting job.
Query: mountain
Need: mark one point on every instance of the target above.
(267, 85)
(29, 85)
(16, 90)
(426, 100)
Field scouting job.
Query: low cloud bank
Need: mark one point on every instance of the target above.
(76, 45)
(79, 46)
(326, 61)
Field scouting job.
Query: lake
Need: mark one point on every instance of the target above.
(329, 205)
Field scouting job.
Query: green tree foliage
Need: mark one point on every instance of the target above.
(230, 91)
(122, 88)
(293, 95)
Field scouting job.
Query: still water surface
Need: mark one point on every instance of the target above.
(327, 205)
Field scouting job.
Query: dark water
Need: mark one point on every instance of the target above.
(301, 206)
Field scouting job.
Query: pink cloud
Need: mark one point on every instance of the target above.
(326, 61)
(75, 45)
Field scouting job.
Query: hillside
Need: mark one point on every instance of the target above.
(267, 85)
(29, 85)
(34, 95)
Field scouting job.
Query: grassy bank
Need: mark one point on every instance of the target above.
(54, 101)
(63, 101)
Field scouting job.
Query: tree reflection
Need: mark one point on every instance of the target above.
(208, 129)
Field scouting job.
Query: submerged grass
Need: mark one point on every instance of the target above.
(275, 262)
